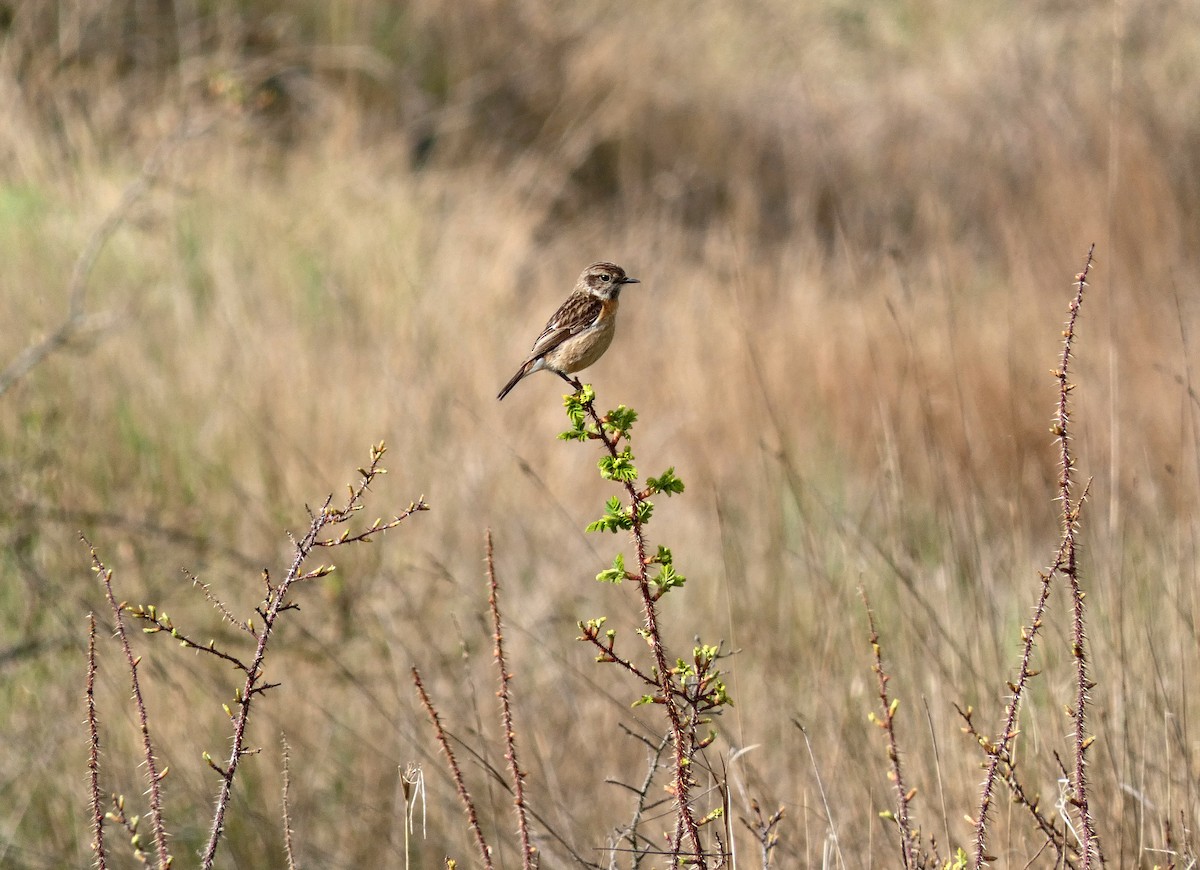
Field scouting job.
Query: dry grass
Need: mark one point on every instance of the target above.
(855, 226)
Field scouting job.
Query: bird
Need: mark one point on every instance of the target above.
(582, 328)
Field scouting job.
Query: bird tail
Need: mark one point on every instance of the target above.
(521, 372)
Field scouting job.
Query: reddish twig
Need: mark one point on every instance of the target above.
(288, 849)
(94, 750)
(276, 603)
(153, 775)
(216, 602)
(162, 622)
(1064, 850)
(485, 851)
(999, 752)
(528, 854)
(608, 655)
(1070, 522)
(909, 846)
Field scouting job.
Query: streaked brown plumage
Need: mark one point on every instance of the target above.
(581, 330)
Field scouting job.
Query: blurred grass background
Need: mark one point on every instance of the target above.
(856, 226)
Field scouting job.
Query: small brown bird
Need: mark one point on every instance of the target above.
(581, 329)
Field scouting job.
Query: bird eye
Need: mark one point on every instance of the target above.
(605, 277)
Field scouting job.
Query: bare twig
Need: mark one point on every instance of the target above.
(288, 849)
(1070, 522)
(485, 851)
(153, 775)
(909, 843)
(131, 824)
(764, 830)
(216, 602)
(500, 778)
(94, 751)
(276, 603)
(77, 319)
(528, 853)
(654, 753)
(1065, 851)
(162, 622)
(601, 640)
(999, 752)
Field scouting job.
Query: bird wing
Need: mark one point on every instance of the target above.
(579, 312)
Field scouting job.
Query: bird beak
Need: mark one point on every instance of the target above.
(630, 281)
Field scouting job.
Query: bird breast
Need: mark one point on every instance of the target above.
(580, 351)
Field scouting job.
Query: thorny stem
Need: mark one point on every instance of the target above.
(1064, 563)
(1008, 772)
(152, 772)
(94, 750)
(288, 832)
(682, 745)
(528, 859)
(1070, 522)
(908, 844)
(460, 784)
(275, 604)
(216, 602)
(1000, 752)
(251, 686)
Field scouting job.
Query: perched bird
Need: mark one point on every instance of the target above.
(581, 329)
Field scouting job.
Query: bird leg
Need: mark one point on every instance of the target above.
(575, 383)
